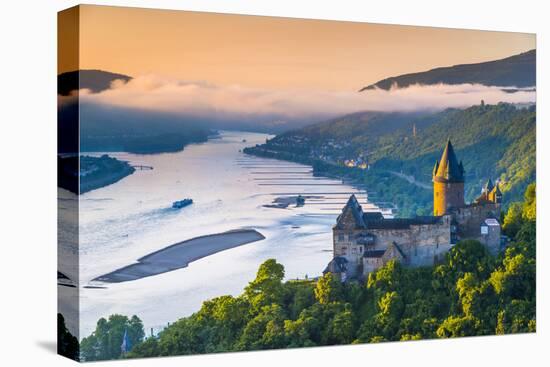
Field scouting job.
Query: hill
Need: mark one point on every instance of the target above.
(514, 71)
(95, 80)
(493, 141)
(96, 128)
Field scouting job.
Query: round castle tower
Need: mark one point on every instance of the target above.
(448, 180)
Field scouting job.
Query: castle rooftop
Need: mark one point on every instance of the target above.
(448, 169)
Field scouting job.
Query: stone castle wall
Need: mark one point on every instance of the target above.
(422, 245)
(469, 218)
(421, 235)
(345, 245)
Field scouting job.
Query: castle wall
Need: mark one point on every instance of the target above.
(422, 235)
(371, 264)
(345, 245)
(470, 218)
(490, 236)
(427, 254)
(422, 245)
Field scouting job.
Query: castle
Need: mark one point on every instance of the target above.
(365, 241)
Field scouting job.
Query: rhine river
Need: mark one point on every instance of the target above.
(124, 221)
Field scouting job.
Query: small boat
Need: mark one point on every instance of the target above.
(244, 140)
(182, 203)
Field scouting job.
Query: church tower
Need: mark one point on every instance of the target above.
(448, 180)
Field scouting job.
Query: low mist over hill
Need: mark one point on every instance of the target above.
(139, 113)
(514, 71)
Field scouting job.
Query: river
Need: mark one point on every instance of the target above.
(121, 222)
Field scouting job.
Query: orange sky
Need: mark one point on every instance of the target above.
(274, 52)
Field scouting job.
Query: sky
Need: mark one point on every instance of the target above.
(275, 53)
(271, 71)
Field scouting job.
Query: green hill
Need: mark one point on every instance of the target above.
(513, 71)
(493, 141)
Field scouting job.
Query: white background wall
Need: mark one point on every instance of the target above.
(28, 184)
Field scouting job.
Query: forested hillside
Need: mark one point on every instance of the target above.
(493, 141)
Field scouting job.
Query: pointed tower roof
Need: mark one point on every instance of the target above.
(489, 186)
(436, 167)
(449, 169)
(352, 215)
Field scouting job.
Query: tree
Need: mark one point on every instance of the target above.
(265, 330)
(328, 289)
(387, 278)
(303, 331)
(468, 256)
(185, 336)
(391, 307)
(229, 311)
(406, 337)
(457, 326)
(517, 317)
(466, 288)
(267, 287)
(513, 219)
(530, 203)
(300, 295)
(149, 348)
(67, 344)
(105, 342)
(342, 328)
(135, 330)
(516, 279)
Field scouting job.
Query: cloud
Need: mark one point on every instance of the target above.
(151, 92)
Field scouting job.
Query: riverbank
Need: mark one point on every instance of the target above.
(85, 173)
(97, 172)
(179, 255)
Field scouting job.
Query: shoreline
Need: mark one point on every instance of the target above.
(180, 255)
(106, 180)
(82, 174)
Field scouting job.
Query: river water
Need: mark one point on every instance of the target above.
(133, 217)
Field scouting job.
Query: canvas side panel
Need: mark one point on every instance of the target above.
(67, 183)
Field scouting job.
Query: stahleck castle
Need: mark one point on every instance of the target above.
(365, 241)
